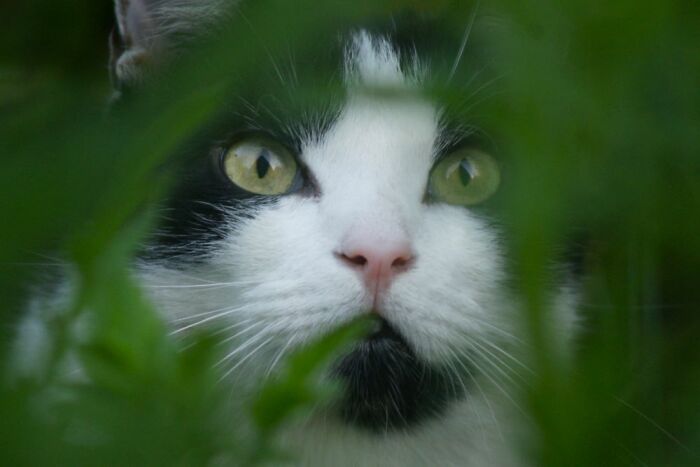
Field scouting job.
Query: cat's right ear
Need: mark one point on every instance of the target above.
(134, 43)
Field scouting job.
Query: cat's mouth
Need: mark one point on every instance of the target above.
(388, 386)
(383, 331)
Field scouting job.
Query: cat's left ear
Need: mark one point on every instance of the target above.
(134, 44)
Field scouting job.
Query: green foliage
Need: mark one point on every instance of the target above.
(598, 118)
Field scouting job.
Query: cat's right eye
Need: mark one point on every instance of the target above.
(261, 166)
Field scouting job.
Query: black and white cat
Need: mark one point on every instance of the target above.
(283, 230)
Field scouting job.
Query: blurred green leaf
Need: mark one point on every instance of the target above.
(299, 385)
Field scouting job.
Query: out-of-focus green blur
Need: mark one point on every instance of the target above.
(597, 111)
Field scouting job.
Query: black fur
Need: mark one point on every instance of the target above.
(388, 387)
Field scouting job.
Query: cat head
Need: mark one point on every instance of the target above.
(283, 228)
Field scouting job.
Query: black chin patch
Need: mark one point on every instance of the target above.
(388, 387)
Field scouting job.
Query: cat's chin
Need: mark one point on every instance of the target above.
(388, 386)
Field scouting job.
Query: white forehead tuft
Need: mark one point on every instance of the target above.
(372, 164)
(373, 61)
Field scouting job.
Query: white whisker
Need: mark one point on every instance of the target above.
(199, 315)
(481, 391)
(226, 312)
(493, 381)
(485, 358)
(247, 343)
(244, 359)
(239, 333)
(653, 423)
(497, 329)
(489, 357)
(505, 353)
(192, 286)
(279, 355)
(465, 40)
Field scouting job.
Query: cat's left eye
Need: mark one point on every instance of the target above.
(465, 177)
(261, 166)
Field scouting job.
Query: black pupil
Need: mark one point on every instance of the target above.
(466, 171)
(262, 165)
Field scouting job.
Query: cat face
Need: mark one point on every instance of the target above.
(279, 235)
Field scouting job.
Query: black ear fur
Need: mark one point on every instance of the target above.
(133, 21)
(149, 30)
(133, 44)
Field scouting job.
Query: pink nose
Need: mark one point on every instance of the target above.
(379, 264)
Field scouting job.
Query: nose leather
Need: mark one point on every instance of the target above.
(378, 261)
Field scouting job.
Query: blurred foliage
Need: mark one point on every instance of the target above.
(598, 118)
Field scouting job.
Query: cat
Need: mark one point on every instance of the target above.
(281, 230)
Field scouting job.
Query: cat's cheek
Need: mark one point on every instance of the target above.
(285, 237)
(286, 247)
(454, 293)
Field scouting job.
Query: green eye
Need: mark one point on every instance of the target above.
(261, 166)
(465, 177)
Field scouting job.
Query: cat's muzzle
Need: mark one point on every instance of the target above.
(388, 386)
